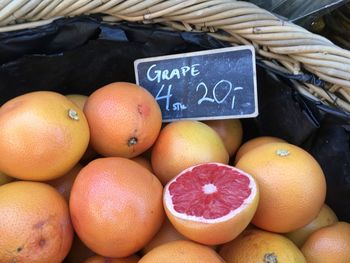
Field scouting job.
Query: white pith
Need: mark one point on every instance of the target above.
(169, 204)
(209, 189)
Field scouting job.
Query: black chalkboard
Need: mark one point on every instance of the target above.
(214, 84)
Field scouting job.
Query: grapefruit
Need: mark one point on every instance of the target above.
(255, 245)
(181, 251)
(230, 131)
(143, 161)
(182, 144)
(166, 234)
(291, 182)
(124, 119)
(34, 223)
(329, 244)
(254, 143)
(64, 183)
(325, 217)
(44, 132)
(211, 203)
(116, 206)
(79, 100)
(100, 259)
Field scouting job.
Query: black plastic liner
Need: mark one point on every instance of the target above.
(79, 55)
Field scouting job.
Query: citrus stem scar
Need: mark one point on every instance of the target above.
(282, 152)
(73, 114)
(132, 141)
(209, 188)
(270, 258)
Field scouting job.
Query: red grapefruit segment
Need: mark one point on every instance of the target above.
(211, 203)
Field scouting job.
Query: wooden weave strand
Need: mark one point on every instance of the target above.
(281, 44)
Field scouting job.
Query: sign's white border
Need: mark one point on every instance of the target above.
(208, 52)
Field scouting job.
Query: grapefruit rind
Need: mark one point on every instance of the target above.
(169, 203)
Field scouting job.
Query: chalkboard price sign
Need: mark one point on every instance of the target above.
(213, 84)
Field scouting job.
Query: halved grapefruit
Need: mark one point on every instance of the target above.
(211, 203)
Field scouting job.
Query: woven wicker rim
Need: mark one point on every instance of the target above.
(281, 45)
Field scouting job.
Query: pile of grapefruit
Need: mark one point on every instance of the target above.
(101, 178)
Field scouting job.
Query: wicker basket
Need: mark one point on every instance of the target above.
(281, 45)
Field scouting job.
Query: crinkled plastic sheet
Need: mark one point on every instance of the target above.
(302, 12)
(79, 55)
(298, 9)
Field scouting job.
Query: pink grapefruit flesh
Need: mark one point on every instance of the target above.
(211, 199)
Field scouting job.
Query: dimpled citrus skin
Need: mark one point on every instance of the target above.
(116, 206)
(230, 131)
(34, 223)
(182, 144)
(329, 244)
(100, 259)
(254, 143)
(144, 162)
(64, 183)
(181, 251)
(167, 233)
(42, 136)
(80, 100)
(255, 245)
(291, 182)
(325, 217)
(124, 119)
